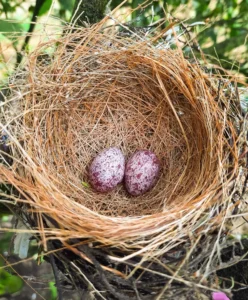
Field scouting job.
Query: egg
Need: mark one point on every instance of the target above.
(142, 172)
(107, 170)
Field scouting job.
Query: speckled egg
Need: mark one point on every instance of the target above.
(142, 172)
(107, 170)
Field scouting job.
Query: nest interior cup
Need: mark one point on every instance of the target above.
(100, 91)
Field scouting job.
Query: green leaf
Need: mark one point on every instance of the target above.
(85, 184)
(67, 4)
(9, 283)
(5, 218)
(5, 242)
(45, 7)
(53, 290)
(9, 28)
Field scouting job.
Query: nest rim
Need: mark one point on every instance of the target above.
(145, 232)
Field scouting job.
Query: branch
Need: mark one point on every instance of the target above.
(37, 8)
(4, 9)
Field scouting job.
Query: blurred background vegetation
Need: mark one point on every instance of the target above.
(219, 28)
(221, 31)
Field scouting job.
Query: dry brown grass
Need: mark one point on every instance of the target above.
(100, 89)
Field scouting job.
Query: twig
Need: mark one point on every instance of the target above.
(89, 282)
(103, 277)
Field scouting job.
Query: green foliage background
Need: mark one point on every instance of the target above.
(223, 36)
(9, 283)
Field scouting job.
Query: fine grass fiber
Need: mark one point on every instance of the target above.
(98, 89)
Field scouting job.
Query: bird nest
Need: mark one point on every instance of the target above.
(92, 89)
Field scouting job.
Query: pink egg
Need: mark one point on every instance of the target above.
(107, 170)
(142, 172)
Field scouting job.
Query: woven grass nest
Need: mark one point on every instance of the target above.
(91, 89)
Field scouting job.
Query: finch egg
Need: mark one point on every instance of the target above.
(142, 172)
(107, 170)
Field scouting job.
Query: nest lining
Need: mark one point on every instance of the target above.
(100, 91)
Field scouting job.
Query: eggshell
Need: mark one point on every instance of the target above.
(142, 172)
(107, 170)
